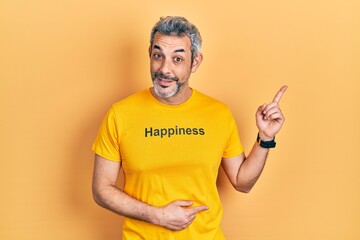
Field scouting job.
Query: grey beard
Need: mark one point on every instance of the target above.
(172, 93)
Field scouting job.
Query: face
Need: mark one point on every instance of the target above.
(171, 66)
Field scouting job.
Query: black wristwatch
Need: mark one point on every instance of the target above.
(265, 144)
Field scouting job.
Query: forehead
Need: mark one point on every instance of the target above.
(172, 42)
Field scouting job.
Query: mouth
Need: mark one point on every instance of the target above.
(164, 81)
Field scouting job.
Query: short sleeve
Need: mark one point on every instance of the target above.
(234, 146)
(107, 143)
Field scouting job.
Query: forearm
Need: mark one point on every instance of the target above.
(113, 199)
(244, 172)
(176, 215)
(251, 169)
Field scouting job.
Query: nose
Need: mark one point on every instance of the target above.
(165, 67)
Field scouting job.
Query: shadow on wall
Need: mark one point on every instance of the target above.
(102, 223)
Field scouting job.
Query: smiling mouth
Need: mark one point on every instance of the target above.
(164, 83)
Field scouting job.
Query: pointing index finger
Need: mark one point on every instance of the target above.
(279, 94)
(198, 209)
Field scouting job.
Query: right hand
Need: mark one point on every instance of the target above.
(177, 215)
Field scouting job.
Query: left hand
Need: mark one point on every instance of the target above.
(269, 118)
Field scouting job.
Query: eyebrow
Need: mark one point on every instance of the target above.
(157, 47)
(177, 50)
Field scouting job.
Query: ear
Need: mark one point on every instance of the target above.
(196, 62)
(149, 50)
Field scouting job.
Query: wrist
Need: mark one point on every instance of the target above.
(268, 143)
(264, 137)
(156, 216)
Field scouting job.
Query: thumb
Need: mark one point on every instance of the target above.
(260, 110)
(183, 203)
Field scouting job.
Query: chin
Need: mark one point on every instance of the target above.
(168, 93)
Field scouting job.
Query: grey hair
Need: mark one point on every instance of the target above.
(178, 26)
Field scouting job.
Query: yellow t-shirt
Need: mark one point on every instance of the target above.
(170, 153)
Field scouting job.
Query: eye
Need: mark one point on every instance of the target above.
(178, 59)
(157, 55)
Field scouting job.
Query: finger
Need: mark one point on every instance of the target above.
(190, 220)
(279, 94)
(198, 209)
(270, 106)
(260, 110)
(277, 116)
(184, 226)
(188, 223)
(271, 112)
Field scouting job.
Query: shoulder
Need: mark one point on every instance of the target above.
(128, 106)
(208, 101)
(132, 100)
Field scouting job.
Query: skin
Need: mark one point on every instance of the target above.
(244, 172)
(170, 56)
(170, 67)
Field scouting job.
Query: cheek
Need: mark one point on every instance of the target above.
(186, 71)
(155, 66)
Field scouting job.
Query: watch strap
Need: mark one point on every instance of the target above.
(265, 144)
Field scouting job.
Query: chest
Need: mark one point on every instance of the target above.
(151, 141)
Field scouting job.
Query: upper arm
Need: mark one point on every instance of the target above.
(232, 166)
(105, 172)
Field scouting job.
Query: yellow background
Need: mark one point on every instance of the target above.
(64, 62)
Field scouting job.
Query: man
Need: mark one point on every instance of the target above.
(170, 141)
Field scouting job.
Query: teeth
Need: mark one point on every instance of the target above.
(167, 81)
